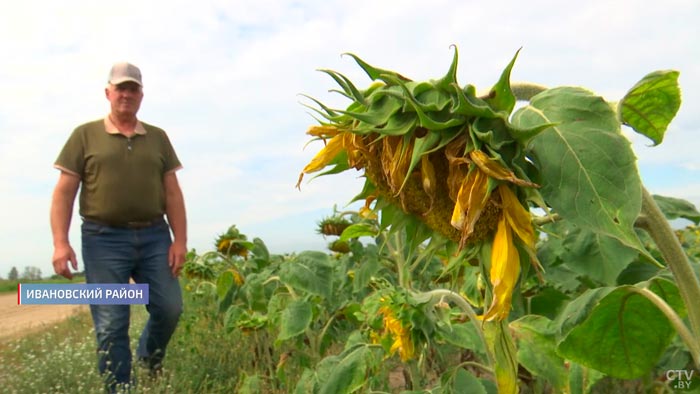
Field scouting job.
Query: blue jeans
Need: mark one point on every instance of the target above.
(113, 255)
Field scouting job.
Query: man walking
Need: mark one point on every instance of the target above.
(126, 173)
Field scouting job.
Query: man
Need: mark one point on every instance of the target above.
(126, 170)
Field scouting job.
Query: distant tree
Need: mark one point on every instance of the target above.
(31, 273)
(13, 275)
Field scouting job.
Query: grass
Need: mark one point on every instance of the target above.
(9, 286)
(61, 359)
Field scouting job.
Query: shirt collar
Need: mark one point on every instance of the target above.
(112, 129)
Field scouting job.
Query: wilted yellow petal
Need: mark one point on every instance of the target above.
(458, 166)
(505, 268)
(519, 220)
(518, 217)
(324, 156)
(323, 131)
(355, 146)
(495, 170)
(366, 212)
(237, 277)
(471, 200)
(400, 161)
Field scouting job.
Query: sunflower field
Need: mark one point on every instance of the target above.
(506, 244)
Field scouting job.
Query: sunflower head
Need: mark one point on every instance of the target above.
(332, 225)
(232, 243)
(439, 152)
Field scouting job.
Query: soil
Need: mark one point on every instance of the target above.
(18, 320)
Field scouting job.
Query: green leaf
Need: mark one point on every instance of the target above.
(259, 250)
(588, 169)
(358, 230)
(368, 267)
(548, 302)
(251, 385)
(466, 383)
(348, 375)
(651, 104)
(537, 350)
(577, 311)
(582, 379)
(462, 335)
(597, 256)
(224, 283)
(306, 383)
(674, 208)
(624, 335)
(231, 317)
(637, 272)
(309, 271)
(296, 318)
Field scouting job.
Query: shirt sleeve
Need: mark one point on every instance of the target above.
(72, 156)
(172, 163)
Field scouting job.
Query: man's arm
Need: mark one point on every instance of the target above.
(61, 213)
(175, 210)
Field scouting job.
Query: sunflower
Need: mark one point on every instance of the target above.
(443, 154)
(399, 333)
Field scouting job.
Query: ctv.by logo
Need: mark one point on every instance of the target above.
(680, 378)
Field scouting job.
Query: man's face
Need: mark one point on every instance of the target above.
(125, 98)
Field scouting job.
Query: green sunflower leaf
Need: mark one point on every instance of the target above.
(588, 168)
(651, 104)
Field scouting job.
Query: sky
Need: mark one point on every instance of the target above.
(224, 78)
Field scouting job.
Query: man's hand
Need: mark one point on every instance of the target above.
(176, 257)
(62, 254)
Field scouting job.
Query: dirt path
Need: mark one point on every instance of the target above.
(17, 320)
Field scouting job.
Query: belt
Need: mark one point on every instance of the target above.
(129, 225)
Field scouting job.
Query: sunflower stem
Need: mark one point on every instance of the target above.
(676, 322)
(524, 91)
(654, 222)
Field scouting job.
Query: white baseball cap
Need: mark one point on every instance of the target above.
(124, 72)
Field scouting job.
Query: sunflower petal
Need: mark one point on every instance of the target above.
(495, 170)
(323, 131)
(505, 269)
(518, 217)
(471, 200)
(324, 156)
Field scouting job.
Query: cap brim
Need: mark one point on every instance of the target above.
(125, 79)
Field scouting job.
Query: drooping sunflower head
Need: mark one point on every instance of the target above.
(420, 143)
(232, 243)
(433, 148)
(398, 333)
(332, 225)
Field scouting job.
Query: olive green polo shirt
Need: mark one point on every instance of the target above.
(121, 178)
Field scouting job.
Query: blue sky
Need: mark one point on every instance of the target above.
(223, 78)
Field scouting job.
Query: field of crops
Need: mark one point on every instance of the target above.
(498, 251)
